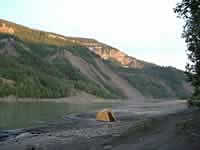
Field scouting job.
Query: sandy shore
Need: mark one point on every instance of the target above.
(139, 126)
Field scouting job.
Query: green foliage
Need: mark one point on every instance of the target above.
(37, 76)
(156, 82)
(6, 90)
(147, 86)
(39, 70)
(189, 10)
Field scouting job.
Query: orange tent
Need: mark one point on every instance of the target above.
(105, 115)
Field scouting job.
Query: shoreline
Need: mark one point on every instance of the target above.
(82, 98)
(82, 131)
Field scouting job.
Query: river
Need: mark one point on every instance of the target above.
(24, 115)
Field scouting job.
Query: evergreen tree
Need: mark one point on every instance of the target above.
(189, 10)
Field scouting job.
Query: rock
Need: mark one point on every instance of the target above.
(24, 135)
(34, 147)
(107, 147)
(30, 147)
(3, 136)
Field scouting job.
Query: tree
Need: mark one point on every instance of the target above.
(189, 10)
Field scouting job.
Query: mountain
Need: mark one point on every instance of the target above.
(35, 63)
(104, 51)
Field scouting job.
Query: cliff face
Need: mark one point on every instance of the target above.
(5, 29)
(109, 53)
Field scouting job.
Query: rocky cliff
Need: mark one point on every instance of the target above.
(5, 29)
(109, 53)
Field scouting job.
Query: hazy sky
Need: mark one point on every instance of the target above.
(145, 29)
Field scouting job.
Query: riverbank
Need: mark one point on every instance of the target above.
(150, 126)
(81, 98)
(169, 132)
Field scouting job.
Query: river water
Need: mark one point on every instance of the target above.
(24, 115)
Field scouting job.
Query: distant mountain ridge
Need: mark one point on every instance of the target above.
(44, 64)
(104, 51)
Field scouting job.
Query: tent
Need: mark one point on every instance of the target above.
(105, 115)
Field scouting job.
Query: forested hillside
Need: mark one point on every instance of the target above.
(156, 81)
(41, 64)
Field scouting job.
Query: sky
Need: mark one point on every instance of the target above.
(146, 29)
